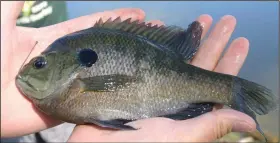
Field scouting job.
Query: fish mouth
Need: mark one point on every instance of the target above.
(24, 86)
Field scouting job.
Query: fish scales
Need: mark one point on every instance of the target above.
(154, 95)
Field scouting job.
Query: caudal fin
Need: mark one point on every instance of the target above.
(251, 98)
(259, 98)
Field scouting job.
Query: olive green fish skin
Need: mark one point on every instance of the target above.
(133, 78)
(166, 86)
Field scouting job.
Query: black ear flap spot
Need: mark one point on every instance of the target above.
(87, 57)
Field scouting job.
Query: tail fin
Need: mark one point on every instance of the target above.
(251, 98)
(260, 99)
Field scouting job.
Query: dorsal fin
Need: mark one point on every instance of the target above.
(183, 43)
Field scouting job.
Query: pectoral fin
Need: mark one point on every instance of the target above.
(106, 83)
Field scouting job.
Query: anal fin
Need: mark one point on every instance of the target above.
(113, 124)
(192, 111)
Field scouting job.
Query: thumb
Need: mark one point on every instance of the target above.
(10, 11)
(218, 123)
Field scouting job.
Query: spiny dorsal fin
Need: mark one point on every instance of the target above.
(183, 43)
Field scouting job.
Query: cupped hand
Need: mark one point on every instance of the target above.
(205, 128)
(19, 117)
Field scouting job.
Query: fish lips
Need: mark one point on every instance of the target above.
(24, 86)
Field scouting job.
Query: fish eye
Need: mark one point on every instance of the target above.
(87, 57)
(39, 63)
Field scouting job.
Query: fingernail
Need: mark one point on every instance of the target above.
(241, 126)
(204, 19)
(227, 17)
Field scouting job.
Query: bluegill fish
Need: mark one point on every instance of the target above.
(120, 71)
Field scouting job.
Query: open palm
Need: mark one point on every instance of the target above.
(20, 117)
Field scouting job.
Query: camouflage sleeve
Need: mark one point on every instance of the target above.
(42, 13)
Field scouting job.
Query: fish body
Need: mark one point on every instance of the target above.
(117, 72)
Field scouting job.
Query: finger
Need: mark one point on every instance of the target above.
(10, 11)
(125, 11)
(214, 125)
(89, 20)
(19, 108)
(210, 51)
(155, 22)
(152, 133)
(206, 21)
(234, 57)
(85, 133)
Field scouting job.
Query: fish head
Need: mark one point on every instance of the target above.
(46, 73)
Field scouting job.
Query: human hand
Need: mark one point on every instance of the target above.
(18, 116)
(205, 128)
